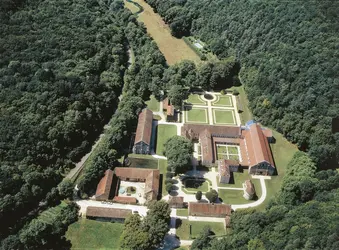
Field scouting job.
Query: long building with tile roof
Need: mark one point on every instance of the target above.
(104, 186)
(252, 139)
(142, 142)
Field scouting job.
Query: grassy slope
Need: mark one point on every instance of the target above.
(91, 234)
(197, 226)
(163, 134)
(175, 50)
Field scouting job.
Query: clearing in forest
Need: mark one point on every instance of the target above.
(175, 50)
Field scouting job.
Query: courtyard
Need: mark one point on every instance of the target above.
(228, 152)
(133, 189)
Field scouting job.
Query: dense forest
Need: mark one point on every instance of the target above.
(302, 216)
(62, 65)
(288, 52)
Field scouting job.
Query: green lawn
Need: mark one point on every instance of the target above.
(194, 99)
(237, 180)
(197, 226)
(223, 116)
(163, 170)
(182, 212)
(143, 162)
(49, 214)
(283, 152)
(196, 115)
(91, 234)
(229, 157)
(223, 100)
(164, 132)
(246, 115)
(203, 188)
(232, 150)
(153, 104)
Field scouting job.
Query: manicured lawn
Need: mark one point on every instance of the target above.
(222, 149)
(196, 115)
(223, 116)
(223, 100)
(203, 188)
(164, 132)
(91, 234)
(237, 179)
(232, 196)
(153, 104)
(197, 226)
(229, 157)
(143, 162)
(283, 152)
(232, 150)
(163, 170)
(182, 212)
(246, 115)
(194, 99)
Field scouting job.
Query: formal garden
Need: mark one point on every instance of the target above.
(224, 117)
(196, 115)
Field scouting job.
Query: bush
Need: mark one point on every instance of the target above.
(169, 187)
(198, 195)
(169, 168)
(169, 175)
(235, 92)
(212, 195)
(169, 181)
(222, 92)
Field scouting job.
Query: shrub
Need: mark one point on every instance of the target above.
(169, 175)
(198, 195)
(169, 187)
(235, 92)
(222, 92)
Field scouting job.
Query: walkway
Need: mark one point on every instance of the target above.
(257, 202)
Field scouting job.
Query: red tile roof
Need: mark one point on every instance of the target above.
(125, 199)
(209, 209)
(170, 110)
(104, 186)
(250, 189)
(257, 146)
(144, 129)
(108, 212)
(224, 168)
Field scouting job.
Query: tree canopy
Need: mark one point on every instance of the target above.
(178, 151)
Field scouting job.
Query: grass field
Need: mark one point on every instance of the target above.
(227, 157)
(203, 188)
(223, 116)
(197, 226)
(182, 212)
(175, 50)
(223, 100)
(237, 179)
(91, 234)
(49, 214)
(142, 162)
(194, 99)
(283, 152)
(163, 170)
(196, 115)
(164, 132)
(153, 104)
(246, 115)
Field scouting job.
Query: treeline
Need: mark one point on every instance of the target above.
(287, 50)
(141, 79)
(62, 65)
(302, 216)
(45, 232)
